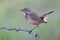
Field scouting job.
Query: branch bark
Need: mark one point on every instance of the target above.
(21, 29)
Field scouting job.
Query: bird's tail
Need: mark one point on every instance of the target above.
(45, 16)
(48, 13)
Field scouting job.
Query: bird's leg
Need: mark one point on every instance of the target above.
(37, 31)
(32, 29)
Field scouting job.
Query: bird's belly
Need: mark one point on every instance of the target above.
(33, 22)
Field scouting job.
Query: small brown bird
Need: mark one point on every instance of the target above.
(33, 18)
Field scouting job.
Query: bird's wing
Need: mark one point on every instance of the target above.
(35, 17)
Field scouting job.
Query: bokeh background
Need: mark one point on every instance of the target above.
(11, 16)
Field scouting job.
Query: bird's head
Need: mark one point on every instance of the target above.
(26, 10)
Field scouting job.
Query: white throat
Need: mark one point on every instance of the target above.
(26, 12)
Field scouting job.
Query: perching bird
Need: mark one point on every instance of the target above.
(33, 18)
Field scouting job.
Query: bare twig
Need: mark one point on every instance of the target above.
(21, 29)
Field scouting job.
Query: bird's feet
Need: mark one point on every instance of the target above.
(30, 31)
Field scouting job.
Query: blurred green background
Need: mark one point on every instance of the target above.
(11, 16)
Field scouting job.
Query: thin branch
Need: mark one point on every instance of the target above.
(21, 29)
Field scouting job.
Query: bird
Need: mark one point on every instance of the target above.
(33, 18)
